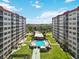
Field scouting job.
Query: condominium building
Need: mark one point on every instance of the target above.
(65, 31)
(12, 31)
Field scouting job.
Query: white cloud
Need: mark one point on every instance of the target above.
(69, 1)
(46, 17)
(7, 6)
(6, 1)
(50, 14)
(36, 4)
(10, 7)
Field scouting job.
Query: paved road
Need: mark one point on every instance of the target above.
(36, 53)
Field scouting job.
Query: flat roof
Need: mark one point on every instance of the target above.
(38, 34)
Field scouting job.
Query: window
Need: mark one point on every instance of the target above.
(70, 37)
(78, 23)
(70, 32)
(70, 27)
(74, 13)
(8, 36)
(1, 23)
(70, 23)
(74, 48)
(74, 18)
(77, 39)
(70, 14)
(8, 32)
(8, 27)
(5, 13)
(78, 34)
(9, 19)
(5, 38)
(74, 43)
(74, 23)
(5, 28)
(70, 40)
(5, 33)
(5, 18)
(74, 38)
(9, 15)
(74, 33)
(9, 23)
(70, 18)
(1, 34)
(5, 23)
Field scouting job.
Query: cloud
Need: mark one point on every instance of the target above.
(7, 6)
(67, 1)
(6, 1)
(10, 7)
(36, 4)
(50, 14)
(46, 17)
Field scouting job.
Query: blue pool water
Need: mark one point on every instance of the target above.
(40, 43)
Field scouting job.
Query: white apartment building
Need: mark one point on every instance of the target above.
(12, 30)
(68, 31)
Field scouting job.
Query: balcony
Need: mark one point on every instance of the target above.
(1, 40)
(1, 46)
(0, 50)
(1, 35)
(1, 19)
(1, 23)
(1, 29)
(1, 13)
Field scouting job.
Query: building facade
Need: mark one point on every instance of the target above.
(68, 28)
(12, 31)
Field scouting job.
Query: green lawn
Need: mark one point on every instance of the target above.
(24, 49)
(56, 52)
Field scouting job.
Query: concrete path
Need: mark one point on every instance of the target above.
(36, 53)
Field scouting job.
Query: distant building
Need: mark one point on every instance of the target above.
(66, 31)
(12, 31)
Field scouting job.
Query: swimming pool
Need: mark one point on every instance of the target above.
(40, 43)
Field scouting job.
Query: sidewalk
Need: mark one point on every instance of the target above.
(36, 54)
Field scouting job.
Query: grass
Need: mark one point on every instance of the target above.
(24, 49)
(56, 52)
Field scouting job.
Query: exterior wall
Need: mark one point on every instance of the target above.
(77, 34)
(68, 30)
(6, 34)
(12, 31)
(72, 33)
(55, 28)
(1, 33)
(61, 29)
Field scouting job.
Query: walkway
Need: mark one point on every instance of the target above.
(36, 53)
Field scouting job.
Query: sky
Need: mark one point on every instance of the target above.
(39, 11)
